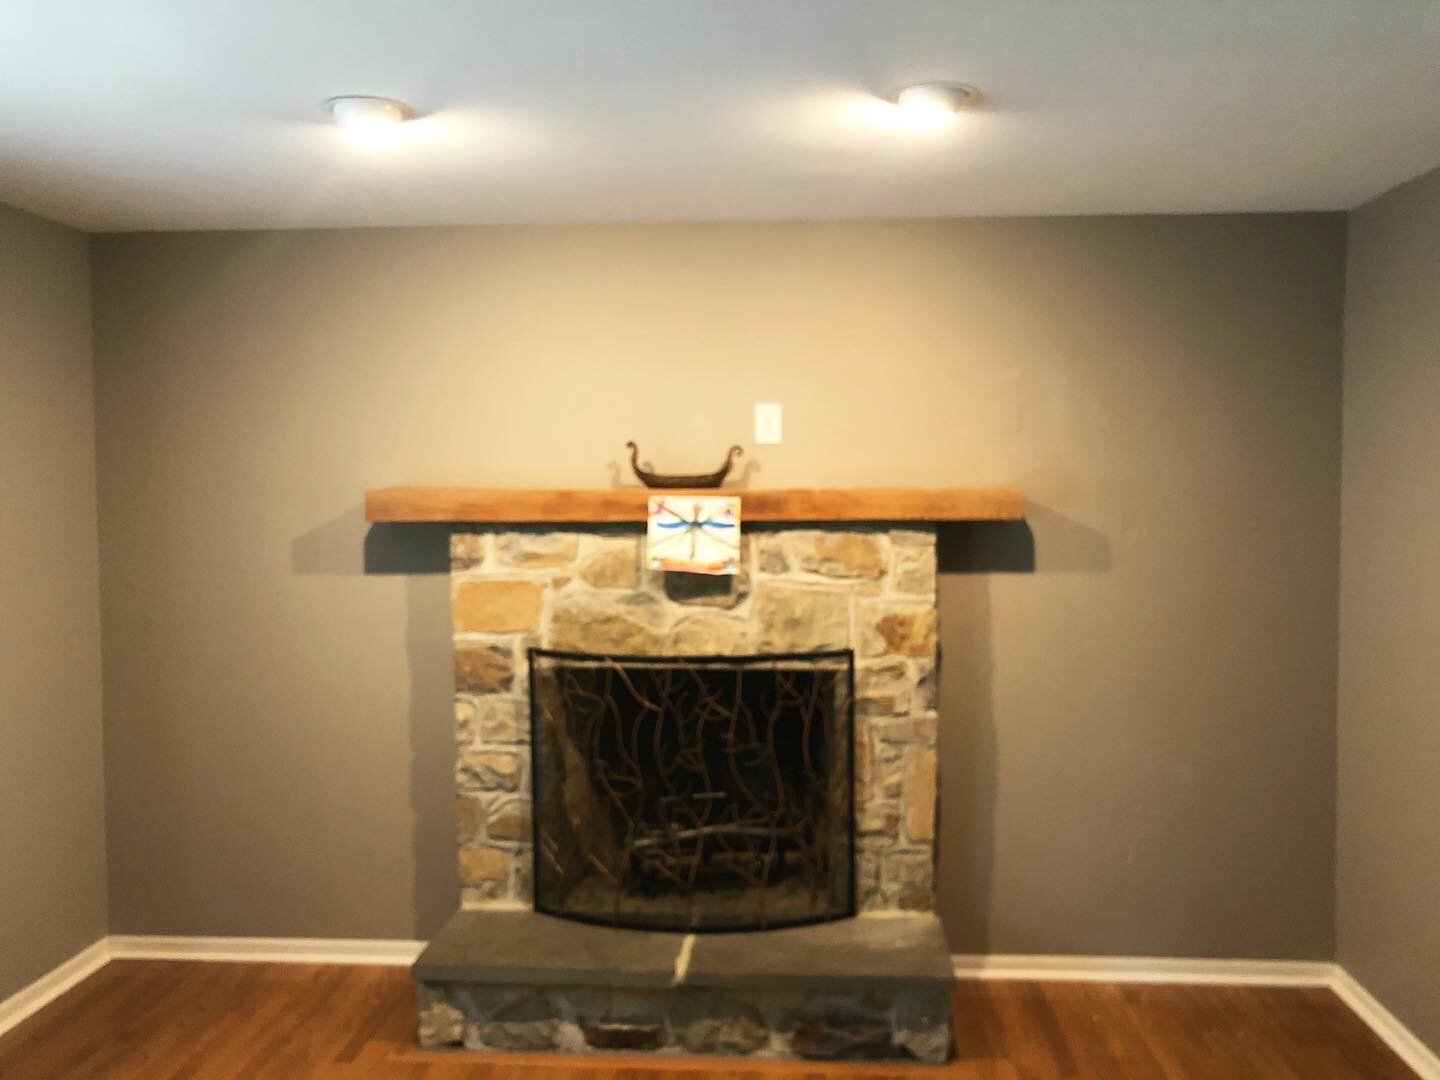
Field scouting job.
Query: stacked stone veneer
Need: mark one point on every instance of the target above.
(868, 589)
(911, 1022)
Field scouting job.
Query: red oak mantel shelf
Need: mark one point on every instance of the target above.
(618, 505)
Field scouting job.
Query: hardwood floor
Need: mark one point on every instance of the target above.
(161, 1019)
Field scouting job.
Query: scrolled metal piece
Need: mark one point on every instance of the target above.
(653, 479)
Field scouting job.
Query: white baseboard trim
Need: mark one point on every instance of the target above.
(1387, 1025)
(31, 999)
(1151, 969)
(267, 950)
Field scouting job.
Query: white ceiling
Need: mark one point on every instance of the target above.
(186, 114)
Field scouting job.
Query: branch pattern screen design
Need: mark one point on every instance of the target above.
(693, 793)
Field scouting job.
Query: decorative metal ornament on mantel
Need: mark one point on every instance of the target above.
(652, 479)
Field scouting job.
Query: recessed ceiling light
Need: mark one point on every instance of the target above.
(934, 104)
(369, 121)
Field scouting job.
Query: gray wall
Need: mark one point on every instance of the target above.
(1388, 880)
(1138, 694)
(52, 817)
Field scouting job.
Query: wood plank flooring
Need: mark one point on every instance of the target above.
(164, 1020)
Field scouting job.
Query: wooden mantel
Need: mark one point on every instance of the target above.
(619, 505)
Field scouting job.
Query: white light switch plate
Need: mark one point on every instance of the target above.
(767, 424)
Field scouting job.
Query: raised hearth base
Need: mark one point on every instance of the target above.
(875, 987)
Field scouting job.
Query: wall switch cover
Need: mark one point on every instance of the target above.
(767, 424)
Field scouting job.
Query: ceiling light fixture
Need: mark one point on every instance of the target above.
(931, 105)
(369, 121)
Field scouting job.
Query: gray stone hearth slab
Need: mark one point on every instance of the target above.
(530, 948)
(864, 951)
(877, 987)
(526, 947)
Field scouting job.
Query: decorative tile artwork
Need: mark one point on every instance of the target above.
(694, 534)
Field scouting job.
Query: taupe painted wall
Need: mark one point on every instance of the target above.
(1138, 694)
(1388, 880)
(52, 799)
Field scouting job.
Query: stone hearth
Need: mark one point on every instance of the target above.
(876, 986)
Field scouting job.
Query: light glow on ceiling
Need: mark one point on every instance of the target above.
(931, 106)
(368, 121)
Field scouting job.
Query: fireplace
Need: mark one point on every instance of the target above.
(653, 756)
(869, 591)
(693, 793)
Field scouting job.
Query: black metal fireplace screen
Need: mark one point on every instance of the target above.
(693, 793)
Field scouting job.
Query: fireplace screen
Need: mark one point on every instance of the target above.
(693, 793)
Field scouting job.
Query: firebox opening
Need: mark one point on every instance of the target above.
(693, 793)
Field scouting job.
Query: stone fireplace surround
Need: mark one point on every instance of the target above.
(502, 977)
